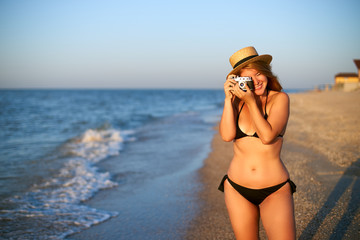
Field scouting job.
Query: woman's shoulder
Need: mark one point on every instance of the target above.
(276, 97)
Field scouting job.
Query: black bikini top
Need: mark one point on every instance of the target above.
(241, 134)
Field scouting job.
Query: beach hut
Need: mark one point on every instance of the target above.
(348, 81)
(357, 63)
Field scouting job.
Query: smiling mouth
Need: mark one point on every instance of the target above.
(258, 86)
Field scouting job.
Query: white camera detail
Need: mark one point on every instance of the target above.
(243, 81)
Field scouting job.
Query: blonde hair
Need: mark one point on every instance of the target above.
(265, 69)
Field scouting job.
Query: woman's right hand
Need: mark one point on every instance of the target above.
(229, 86)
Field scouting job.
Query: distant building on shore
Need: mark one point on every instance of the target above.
(348, 81)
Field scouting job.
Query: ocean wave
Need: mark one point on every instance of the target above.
(54, 208)
(96, 144)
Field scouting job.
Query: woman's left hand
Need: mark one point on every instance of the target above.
(247, 96)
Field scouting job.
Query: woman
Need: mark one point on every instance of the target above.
(257, 183)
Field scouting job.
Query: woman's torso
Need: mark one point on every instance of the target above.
(256, 165)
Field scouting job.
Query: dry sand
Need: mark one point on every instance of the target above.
(322, 153)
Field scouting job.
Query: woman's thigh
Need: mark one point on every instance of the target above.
(244, 216)
(277, 214)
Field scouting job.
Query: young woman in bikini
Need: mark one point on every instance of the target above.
(257, 184)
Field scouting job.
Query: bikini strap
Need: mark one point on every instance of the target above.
(240, 112)
(267, 94)
(241, 107)
(292, 186)
(221, 186)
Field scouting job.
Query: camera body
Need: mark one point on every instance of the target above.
(243, 81)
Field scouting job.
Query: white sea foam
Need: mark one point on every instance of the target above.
(59, 200)
(95, 145)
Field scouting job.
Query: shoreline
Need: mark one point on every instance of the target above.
(325, 167)
(326, 201)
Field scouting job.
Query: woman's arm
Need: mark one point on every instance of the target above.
(268, 130)
(227, 126)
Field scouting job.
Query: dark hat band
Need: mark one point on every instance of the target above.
(244, 60)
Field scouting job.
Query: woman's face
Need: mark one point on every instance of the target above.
(260, 80)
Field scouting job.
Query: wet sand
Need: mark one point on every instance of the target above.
(322, 153)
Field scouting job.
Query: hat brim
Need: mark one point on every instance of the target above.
(264, 58)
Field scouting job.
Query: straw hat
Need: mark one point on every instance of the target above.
(245, 56)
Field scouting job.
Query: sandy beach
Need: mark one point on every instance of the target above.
(322, 153)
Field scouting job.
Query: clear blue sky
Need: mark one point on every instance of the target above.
(172, 44)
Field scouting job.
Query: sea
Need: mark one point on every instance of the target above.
(61, 149)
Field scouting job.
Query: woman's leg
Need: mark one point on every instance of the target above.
(277, 214)
(244, 215)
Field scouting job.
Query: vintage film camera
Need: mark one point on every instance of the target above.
(245, 80)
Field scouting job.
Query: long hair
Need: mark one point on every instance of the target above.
(265, 69)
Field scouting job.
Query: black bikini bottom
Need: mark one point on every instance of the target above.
(256, 196)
